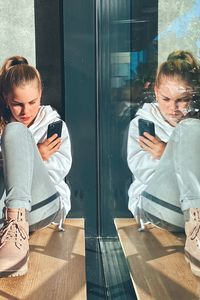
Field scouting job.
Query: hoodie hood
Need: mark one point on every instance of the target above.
(45, 116)
(150, 111)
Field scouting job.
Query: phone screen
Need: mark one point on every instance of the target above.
(55, 127)
(146, 126)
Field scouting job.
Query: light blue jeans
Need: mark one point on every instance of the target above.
(24, 180)
(175, 186)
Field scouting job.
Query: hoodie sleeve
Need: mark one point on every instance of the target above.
(59, 164)
(140, 162)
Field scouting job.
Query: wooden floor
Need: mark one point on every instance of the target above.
(156, 263)
(56, 266)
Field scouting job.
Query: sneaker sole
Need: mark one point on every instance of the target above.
(14, 273)
(195, 270)
(22, 271)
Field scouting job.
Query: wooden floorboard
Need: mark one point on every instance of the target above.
(56, 266)
(156, 263)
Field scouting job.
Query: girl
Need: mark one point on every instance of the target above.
(166, 171)
(32, 187)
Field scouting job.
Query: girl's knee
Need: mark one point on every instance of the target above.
(13, 130)
(189, 123)
(188, 129)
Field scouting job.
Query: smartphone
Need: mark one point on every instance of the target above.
(146, 126)
(55, 127)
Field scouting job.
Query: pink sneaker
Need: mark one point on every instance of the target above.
(14, 246)
(192, 244)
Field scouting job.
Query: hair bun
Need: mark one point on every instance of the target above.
(19, 61)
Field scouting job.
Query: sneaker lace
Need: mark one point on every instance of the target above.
(195, 232)
(11, 231)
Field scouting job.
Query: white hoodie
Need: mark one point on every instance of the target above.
(140, 162)
(59, 164)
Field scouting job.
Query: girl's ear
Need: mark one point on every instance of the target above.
(40, 94)
(156, 90)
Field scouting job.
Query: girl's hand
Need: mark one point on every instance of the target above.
(49, 146)
(152, 145)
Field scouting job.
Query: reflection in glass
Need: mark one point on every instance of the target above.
(128, 59)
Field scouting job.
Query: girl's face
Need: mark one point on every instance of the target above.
(24, 102)
(173, 97)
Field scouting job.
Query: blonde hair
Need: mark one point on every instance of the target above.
(180, 65)
(15, 72)
(183, 56)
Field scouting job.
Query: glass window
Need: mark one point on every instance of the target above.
(128, 58)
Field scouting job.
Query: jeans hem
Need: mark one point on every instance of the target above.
(190, 203)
